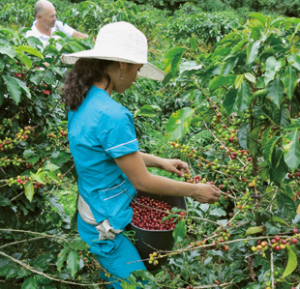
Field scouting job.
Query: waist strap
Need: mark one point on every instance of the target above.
(106, 231)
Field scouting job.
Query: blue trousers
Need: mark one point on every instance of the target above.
(113, 255)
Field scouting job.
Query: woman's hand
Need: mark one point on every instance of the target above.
(170, 165)
(175, 166)
(206, 193)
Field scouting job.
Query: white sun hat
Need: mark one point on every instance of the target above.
(120, 41)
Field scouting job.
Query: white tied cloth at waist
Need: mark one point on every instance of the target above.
(106, 231)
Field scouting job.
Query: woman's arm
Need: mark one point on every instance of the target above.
(170, 165)
(133, 165)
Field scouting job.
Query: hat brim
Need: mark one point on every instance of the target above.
(148, 70)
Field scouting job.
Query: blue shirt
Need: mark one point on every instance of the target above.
(101, 130)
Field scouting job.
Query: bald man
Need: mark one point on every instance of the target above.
(46, 24)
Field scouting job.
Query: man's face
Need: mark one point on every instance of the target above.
(48, 17)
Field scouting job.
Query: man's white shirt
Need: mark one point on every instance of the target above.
(59, 26)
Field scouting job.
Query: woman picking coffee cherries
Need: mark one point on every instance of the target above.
(106, 152)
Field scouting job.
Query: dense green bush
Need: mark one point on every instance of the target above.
(229, 106)
(206, 28)
(286, 7)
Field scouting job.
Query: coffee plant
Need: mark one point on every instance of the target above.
(229, 106)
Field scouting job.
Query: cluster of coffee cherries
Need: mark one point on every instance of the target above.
(88, 260)
(59, 134)
(277, 243)
(4, 162)
(148, 214)
(5, 124)
(23, 134)
(19, 181)
(152, 259)
(7, 143)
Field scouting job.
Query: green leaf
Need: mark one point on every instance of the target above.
(8, 31)
(30, 50)
(286, 206)
(239, 46)
(24, 87)
(73, 263)
(39, 177)
(238, 81)
(26, 60)
(259, 17)
(168, 77)
(229, 65)
(172, 60)
(4, 201)
(222, 80)
(29, 190)
(28, 153)
(42, 261)
(272, 229)
(268, 149)
(217, 212)
(275, 23)
(7, 50)
(275, 90)
(252, 51)
(260, 93)
(279, 220)
(12, 272)
(179, 232)
(49, 77)
(272, 66)
(294, 60)
(144, 275)
(254, 230)
(79, 245)
(30, 283)
(292, 262)
(126, 285)
(243, 97)
(250, 77)
(265, 136)
(229, 101)
(292, 157)
(33, 160)
(50, 167)
(252, 140)
(285, 117)
(53, 176)
(179, 123)
(290, 81)
(147, 110)
(242, 135)
(62, 257)
(280, 169)
(13, 87)
(189, 66)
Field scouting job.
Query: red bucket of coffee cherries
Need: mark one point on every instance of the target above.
(154, 235)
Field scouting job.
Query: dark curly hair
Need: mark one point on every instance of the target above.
(80, 79)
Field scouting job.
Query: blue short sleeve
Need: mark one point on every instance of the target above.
(117, 136)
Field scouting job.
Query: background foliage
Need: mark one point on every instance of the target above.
(229, 106)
